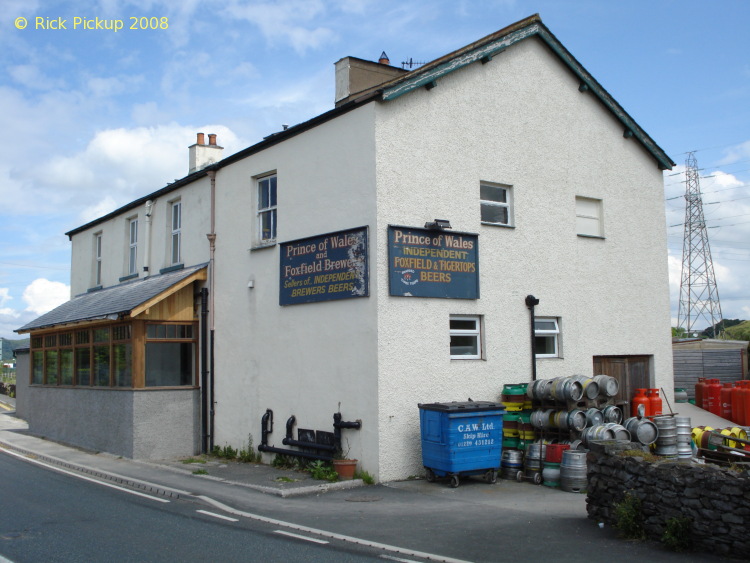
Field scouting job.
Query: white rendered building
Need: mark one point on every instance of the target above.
(327, 285)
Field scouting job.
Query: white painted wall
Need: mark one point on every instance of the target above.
(301, 360)
(115, 239)
(519, 120)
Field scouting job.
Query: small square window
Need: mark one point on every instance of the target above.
(547, 337)
(496, 203)
(466, 337)
(589, 217)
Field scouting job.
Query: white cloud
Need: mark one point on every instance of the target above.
(31, 77)
(117, 166)
(287, 20)
(43, 295)
(735, 153)
(4, 297)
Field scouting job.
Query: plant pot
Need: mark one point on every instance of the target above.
(345, 468)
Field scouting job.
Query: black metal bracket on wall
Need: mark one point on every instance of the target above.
(324, 452)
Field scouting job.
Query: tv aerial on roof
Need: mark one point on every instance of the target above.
(411, 63)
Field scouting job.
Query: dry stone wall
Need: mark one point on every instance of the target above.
(716, 500)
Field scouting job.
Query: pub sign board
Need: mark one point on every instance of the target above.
(433, 263)
(324, 267)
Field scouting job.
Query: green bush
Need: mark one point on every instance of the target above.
(629, 518)
(677, 535)
(249, 455)
(365, 476)
(322, 471)
(281, 461)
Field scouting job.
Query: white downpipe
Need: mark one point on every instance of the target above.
(147, 241)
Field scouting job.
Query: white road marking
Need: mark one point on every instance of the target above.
(78, 476)
(218, 515)
(299, 537)
(331, 535)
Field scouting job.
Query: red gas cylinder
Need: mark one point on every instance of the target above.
(700, 389)
(726, 401)
(738, 410)
(640, 398)
(746, 403)
(712, 397)
(654, 402)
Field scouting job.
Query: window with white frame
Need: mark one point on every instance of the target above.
(589, 217)
(466, 337)
(176, 238)
(97, 259)
(496, 202)
(267, 209)
(547, 337)
(133, 247)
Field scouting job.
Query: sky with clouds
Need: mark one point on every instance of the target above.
(94, 118)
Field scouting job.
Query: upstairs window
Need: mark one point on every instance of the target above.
(133, 247)
(267, 209)
(176, 240)
(98, 259)
(589, 217)
(496, 202)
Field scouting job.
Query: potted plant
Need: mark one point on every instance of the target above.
(343, 466)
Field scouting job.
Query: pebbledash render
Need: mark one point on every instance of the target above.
(373, 258)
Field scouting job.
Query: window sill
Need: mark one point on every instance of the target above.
(263, 245)
(128, 277)
(498, 225)
(172, 268)
(592, 236)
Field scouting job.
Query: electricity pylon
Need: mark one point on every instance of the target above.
(699, 296)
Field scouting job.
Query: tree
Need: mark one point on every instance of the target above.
(714, 331)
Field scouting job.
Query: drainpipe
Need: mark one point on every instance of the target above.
(211, 305)
(204, 373)
(147, 236)
(531, 301)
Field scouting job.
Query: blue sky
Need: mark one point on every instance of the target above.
(92, 119)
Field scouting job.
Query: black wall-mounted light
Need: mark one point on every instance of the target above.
(438, 224)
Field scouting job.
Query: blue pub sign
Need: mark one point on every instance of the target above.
(433, 263)
(324, 267)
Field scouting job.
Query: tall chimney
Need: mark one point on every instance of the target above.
(201, 154)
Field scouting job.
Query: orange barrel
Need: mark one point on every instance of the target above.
(640, 398)
(726, 401)
(738, 412)
(712, 397)
(700, 389)
(655, 402)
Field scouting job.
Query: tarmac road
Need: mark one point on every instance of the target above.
(414, 520)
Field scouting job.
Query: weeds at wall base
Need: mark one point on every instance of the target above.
(678, 534)
(629, 518)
